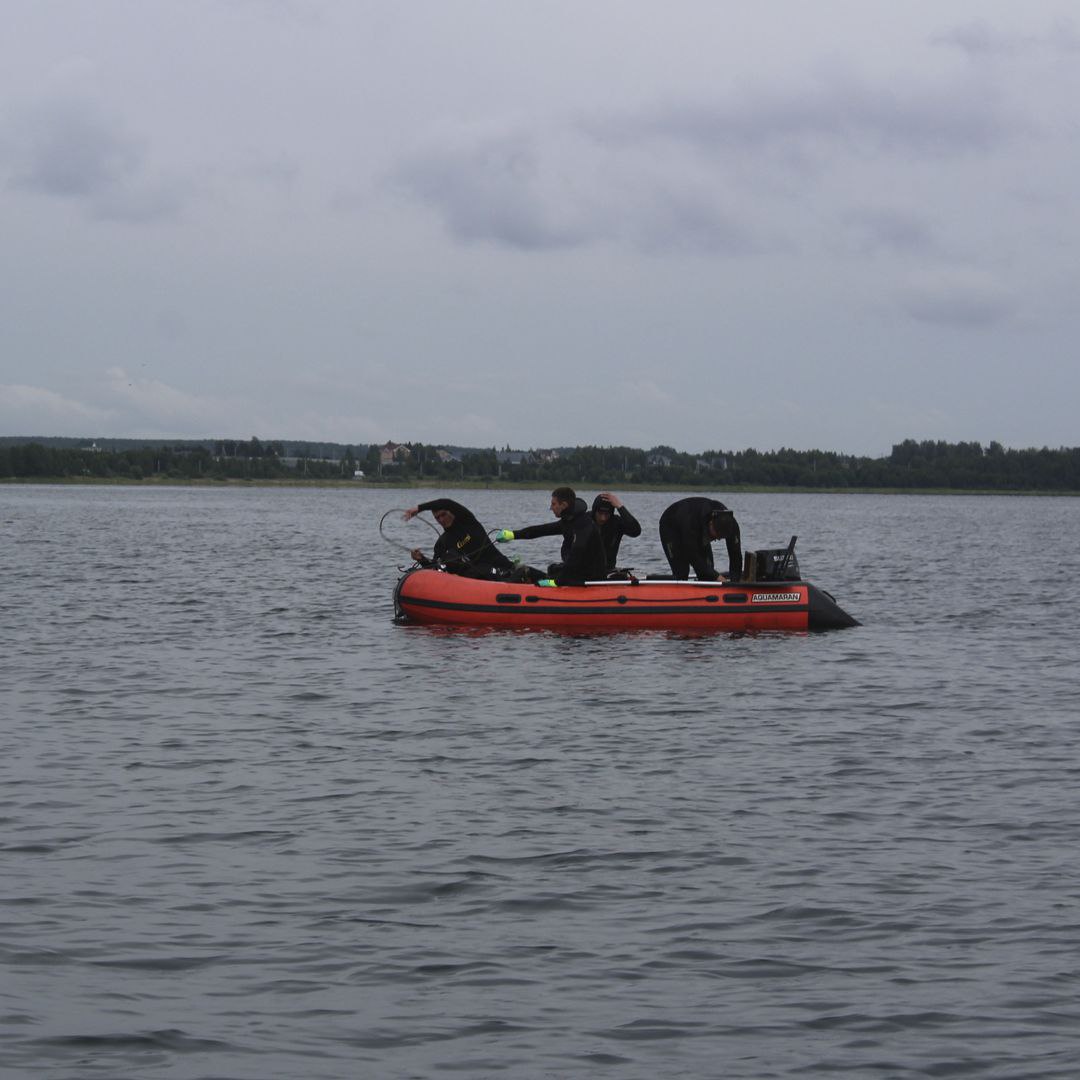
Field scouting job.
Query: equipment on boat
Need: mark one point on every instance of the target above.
(772, 564)
(394, 516)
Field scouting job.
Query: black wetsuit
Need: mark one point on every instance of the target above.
(620, 523)
(684, 534)
(466, 541)
(582, 549)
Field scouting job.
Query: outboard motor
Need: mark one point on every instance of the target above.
(773, 564)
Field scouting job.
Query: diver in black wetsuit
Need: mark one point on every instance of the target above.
(614, 521)
(464, 542)
(583, 556)
(688, 528)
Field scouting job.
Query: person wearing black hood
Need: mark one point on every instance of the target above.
(464, 543)
(688, 528)
(582, 549)
(614, 522)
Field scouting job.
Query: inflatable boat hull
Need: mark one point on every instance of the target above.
(436, 598)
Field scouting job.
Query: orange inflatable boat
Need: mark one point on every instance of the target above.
(436, 597)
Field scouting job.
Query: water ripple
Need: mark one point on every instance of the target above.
(253, 828)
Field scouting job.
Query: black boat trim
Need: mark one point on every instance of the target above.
(627, 612)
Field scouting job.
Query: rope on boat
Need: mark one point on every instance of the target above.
(625, 600)
(397, 543)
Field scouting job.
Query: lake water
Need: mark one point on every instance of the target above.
(252, 828)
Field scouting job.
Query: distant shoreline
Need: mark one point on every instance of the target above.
(483, 485)
(925, 467)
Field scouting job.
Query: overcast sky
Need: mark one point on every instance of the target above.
(705, 224)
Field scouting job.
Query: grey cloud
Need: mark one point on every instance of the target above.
(844, 111)
(535, 193)
(980, 38)
(956, 310)
(687, 220)
(891, 232)
(491, 192)
(1063, 37)
(67, 149)
(957, 298)
(35, 408)
(302, 12)
(139, 204)
(71, 150)
(691, 177)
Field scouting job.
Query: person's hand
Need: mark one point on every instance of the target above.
(546, 583)
(613, 499)
(503, 535)
(417, 554)
(410, 513)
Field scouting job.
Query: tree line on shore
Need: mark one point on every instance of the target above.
(910, 465)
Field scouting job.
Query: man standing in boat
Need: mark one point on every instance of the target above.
(583, 556)
(614, 521)
(688, 529)
(464, 542)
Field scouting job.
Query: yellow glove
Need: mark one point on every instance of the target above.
(546, 583)
(503, 535)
